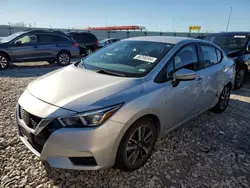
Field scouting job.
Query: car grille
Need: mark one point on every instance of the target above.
(30, 120)
(38, 141)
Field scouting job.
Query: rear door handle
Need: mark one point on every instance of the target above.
(35, 46)
(199, 80)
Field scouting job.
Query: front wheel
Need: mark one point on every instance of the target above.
(63, 58)
(240, 78)
(223, 100)
(137, 145)
(4, 61)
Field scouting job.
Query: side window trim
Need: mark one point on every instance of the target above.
(221, 54)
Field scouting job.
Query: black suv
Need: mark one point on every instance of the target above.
(37, 45)
(237, 46)
(87, 41)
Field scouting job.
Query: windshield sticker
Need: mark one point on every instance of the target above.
(240, 36)
(145, 58)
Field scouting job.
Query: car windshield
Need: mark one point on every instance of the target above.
(11, 37)
(127, 58)
(232, 42)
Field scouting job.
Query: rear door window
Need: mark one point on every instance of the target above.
(58, 38)
(78, 37)
(90, 37)
(209, 56)
(45, 38)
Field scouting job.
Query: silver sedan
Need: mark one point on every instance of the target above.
(112, 106)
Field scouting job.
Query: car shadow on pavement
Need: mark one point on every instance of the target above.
(27, 71)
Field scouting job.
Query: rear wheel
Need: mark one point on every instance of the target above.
(223, 100)
(63, 58)
(240, 77)
(88, 51)
(137, 145)
(4, 61)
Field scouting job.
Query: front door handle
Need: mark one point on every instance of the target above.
(35, 46)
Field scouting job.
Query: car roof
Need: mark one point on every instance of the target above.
(232, 33)
(163, 39)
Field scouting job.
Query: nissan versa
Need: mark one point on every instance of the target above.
(110, 108)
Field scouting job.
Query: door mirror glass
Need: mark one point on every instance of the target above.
(184, 75)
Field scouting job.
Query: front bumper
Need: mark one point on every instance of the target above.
(63, 144)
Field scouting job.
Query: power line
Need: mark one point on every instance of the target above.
(229, 18)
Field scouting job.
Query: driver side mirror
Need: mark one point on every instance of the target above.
(184, 75)
(18, 43)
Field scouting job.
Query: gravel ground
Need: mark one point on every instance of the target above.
(212, 150)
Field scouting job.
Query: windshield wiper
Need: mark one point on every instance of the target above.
(101, 71)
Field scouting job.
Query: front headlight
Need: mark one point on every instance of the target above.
(92, 118)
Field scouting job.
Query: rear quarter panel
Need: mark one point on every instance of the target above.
(229, 70)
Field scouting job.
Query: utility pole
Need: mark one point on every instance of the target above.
(229, 18)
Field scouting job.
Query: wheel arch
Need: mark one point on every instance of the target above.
(5, 53)
(153, 116)
(64, 50)
(230, 85)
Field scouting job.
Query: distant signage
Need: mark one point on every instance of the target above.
(197, 28)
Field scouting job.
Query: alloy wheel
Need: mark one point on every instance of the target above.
(139, 144)
(3, 62)
(64, 59)
(88, 51)
(225, 95)
(240, 76)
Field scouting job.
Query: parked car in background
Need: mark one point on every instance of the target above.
(119, 100)
(88, 42)
(37, 45)
(237, 46)
(200, 37)
(106, 42)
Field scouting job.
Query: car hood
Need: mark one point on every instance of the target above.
(232, 53)
(80, 90)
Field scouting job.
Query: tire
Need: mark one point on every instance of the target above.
(51, 61)
(132, 157)
(240, 77)
(88, 51)
(63, 58)
(223, 100)
(4, 61)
